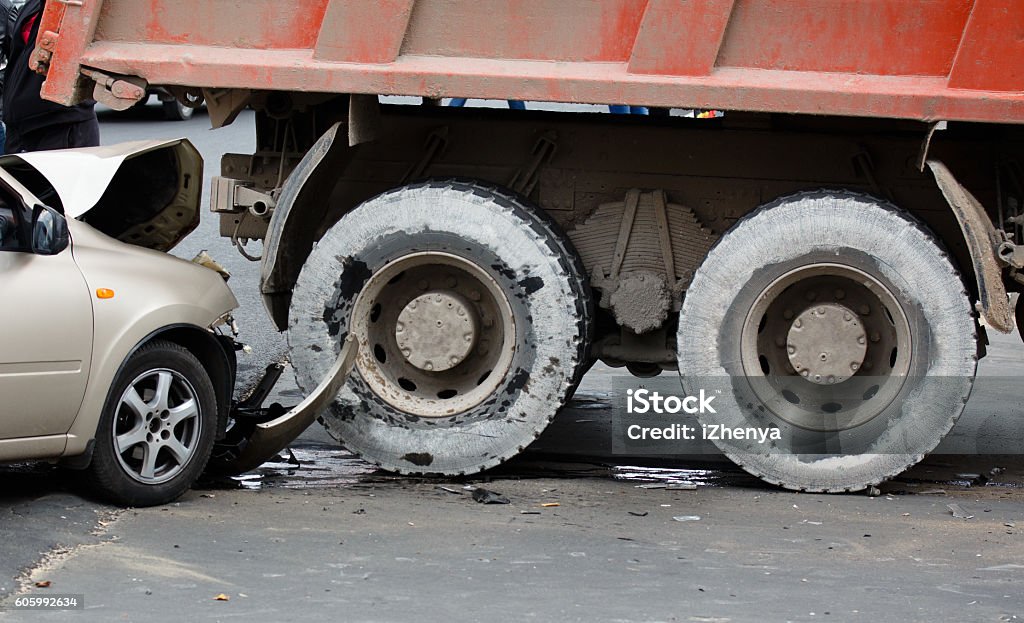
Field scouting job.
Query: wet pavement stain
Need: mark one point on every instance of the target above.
(322, 467)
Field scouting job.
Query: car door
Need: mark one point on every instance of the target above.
(45, 331)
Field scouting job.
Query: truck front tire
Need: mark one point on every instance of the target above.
(472, 316)
(838, 321)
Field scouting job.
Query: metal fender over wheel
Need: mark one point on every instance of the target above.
(472, 315)
(838, 322)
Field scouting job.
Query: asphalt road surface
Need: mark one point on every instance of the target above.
(587, 536)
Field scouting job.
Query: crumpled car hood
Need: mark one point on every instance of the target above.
(145, 193)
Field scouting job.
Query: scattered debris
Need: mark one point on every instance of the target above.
(549, 504)
(973, 479)
(222, 597)
(934, 492)
(1010, 524)
(959, 512)
(874, 492)
(682, 486)
(43, 584)
(686, 518)
(636, 514)
(811, 523)
(483, 496)
(207, 495)
(359, 511)
(529, 512)
(449, 490)
(677, 485)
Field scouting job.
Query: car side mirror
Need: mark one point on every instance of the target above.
(49, 231)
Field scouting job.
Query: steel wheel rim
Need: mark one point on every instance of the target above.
(403, 372)
(827, 294)
(157, 426)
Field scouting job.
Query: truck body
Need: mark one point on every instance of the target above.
(657, 227)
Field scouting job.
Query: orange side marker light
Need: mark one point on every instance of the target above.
(104, 293)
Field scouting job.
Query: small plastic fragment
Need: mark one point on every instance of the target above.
(686, 518)
(483, 496)
(958, 512)
(682, 486)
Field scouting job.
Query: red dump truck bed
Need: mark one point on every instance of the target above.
(914, 59)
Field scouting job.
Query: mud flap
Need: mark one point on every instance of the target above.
(982, 242)
(271, 437)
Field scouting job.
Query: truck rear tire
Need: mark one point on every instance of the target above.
(472, 315)
(839, 321)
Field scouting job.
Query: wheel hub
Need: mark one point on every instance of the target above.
(436, 331)
(826, 343)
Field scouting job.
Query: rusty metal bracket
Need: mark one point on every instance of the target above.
(983, 243)
(525, 179)
(224, 105)
(117, 92)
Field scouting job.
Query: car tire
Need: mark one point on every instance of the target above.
(176, 111)
(839, 321)
(478, 256)
(157, 427)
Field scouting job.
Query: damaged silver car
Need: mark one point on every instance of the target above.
(112, 357)
(115, 358)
